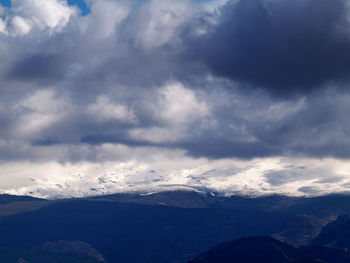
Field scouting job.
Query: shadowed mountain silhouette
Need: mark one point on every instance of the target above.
(336, 234)
(333, 243)
(262, 249)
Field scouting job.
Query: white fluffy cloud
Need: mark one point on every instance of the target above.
(26, 15)
(105, 17)
(179, 105)
(160, 21)
(177, 108)
(103, 110)
(38, 112)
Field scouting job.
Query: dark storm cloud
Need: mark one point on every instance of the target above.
(281, 45)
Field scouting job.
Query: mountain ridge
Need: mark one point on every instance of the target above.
(187, 223)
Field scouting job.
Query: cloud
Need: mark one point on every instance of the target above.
(159, 22)
(173, 170)
(179, 105)
(105, 111)
(280, 45)
(38, 68)
(27, 15)
(105, 17)
(219, 81)
(38, 112)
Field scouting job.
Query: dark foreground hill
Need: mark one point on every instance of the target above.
(332, 245)
(335, 235)
(260, 249)
(164, 227)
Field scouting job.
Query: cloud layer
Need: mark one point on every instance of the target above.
(214, 80)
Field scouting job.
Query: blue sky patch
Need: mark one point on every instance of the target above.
(82, 5)
(6, 3)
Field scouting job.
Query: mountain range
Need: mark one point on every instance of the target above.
(169, 226)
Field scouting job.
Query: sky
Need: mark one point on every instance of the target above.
(232, 96)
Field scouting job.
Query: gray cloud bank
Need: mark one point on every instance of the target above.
(243, 78)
